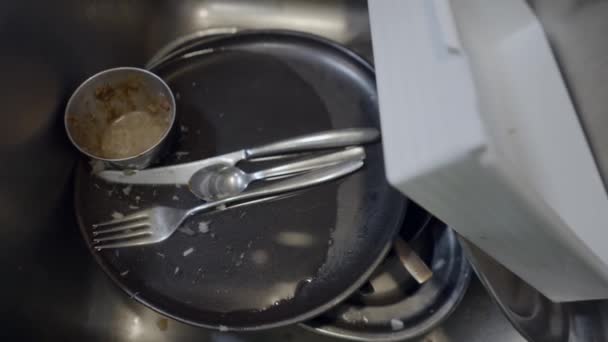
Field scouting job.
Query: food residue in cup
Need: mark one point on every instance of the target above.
(120, 120)
(131, 134)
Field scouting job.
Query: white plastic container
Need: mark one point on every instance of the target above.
(478, 128)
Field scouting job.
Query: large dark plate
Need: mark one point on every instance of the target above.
(272, 263)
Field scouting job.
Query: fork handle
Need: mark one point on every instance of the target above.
(316, 141)
(305, 180)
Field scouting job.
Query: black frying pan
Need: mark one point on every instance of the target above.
(267, 264)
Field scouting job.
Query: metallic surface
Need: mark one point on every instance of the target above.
(535, 316)
(212, 183)
(395, 307)
(170, 175)
(316, 141)
(156, 224)
(86, 92)
(53, 290)
(181, 173)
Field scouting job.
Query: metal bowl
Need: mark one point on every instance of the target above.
(122, 116)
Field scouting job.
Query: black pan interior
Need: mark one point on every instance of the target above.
(272, 263)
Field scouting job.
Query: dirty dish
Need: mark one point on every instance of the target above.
(266, 264)
(393, 306)
(121, 116)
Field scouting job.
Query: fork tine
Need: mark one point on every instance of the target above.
(144, 240)
(123, 236)
(133, 225)
(135, 216)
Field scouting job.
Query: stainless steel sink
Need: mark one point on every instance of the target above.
(52, 289)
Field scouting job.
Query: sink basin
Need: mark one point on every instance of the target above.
(51, 287)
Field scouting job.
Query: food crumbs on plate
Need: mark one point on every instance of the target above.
(160, 254)
(122, 274)
(162, 324)
(223, 328)
(117, 216)
(186, 230)
(127, 190)
(396, 324)
(240, 261)
(188, 251)
(203, 227)
(176, 270)
(97, 166)
(180, 154)
(175, 198)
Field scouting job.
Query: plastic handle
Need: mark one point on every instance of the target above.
(351, 154)
(316, 141)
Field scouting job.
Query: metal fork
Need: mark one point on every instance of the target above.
(156, 224)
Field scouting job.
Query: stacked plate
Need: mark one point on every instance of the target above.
(277, 262)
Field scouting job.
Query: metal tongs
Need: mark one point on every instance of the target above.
(182, 173)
